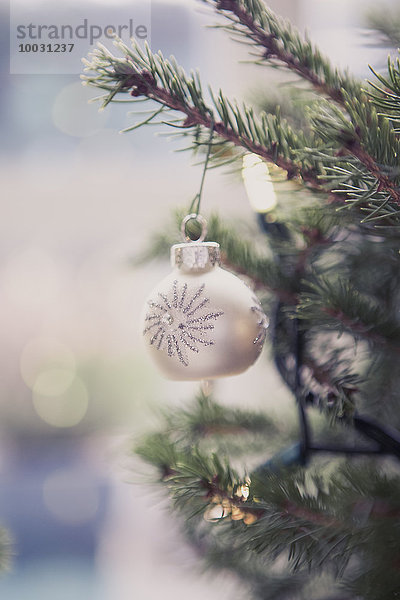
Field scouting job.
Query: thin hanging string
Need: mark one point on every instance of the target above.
(195, 204)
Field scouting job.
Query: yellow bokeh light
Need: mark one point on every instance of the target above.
(53, 382)
(258, 184)
(72, 114)
(64, 409)
(46, 354)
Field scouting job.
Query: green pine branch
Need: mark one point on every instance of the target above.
(316, 522)
(353, 143)
(387, 96)
(340, 306)
(277, 41)
(150, 76)
(208, 418)
(372, 180)
(215, 428)
(360, 136)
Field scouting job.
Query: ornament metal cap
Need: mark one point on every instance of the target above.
(195, 256)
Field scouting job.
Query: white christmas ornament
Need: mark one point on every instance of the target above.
(201, 321)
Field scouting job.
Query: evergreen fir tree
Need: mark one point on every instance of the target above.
(319, 518)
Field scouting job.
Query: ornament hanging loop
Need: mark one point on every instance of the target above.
(199, 219)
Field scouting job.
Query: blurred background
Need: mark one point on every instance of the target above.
(79, 201)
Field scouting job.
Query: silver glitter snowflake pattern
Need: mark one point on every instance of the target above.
(263, 324)
(179, 322)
